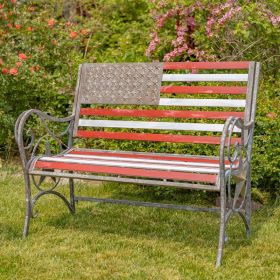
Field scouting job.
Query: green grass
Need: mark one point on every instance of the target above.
(103, 241)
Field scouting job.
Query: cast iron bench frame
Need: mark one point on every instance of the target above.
(233, 161)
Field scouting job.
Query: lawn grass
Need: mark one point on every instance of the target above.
(103, 241)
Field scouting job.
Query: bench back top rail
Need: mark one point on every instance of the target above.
(161, 98)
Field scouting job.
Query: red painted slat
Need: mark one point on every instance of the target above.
(136, 172)
(142, 156)
(203, 90)
(159, 113)
(206, 65)
(152, 137)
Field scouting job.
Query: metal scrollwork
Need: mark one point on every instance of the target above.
(235, 165)
(30, 148)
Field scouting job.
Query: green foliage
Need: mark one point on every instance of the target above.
(118, 31)
(266, 149)
(39, 59)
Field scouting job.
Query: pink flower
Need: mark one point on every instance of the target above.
(274, 20)
(18, 63)
(51, 22)
(13, 71)
(73, 34)
(13, 1)
(22, 56)
(17, 26)
(29, 28)
(84, 32)
(271, 115)
(5, 71)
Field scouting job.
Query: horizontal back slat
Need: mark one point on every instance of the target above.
(152, 137)
(159, 113)
(205, 77)
(206, 65)
(203, 89)
(202, 102)
(154, 125)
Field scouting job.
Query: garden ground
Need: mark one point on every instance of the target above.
(104, 241)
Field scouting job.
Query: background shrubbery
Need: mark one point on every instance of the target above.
(42, 43)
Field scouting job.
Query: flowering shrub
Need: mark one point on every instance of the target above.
(41, 46)
(215, 30)
(38, 62)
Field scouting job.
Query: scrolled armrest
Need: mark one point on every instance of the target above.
(236, 150)
(22, 134)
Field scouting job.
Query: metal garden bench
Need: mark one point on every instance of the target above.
(150, 102)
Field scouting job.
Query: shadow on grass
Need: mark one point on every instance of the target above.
(196, 230)
(10, 232)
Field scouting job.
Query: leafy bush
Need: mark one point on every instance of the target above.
(42, 44)
(39, 58)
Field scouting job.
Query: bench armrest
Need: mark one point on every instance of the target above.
(26, 140)
(237, 153)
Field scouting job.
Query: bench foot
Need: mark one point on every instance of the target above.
(30, 202)
(222, 234)
(72, 195)
(28, 207)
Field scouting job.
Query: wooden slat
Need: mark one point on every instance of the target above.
(138, 155)
(205, 77)
(206, 65)
(154, 125)
(137, 172)
(203, 90)
(202, 102)
(156, 165)
(143, 160)
(159, 113)
(152, 137)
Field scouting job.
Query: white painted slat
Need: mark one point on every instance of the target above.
(205, 77)
(154, 125)
(143, 160)
(134, 165)
(202, 102)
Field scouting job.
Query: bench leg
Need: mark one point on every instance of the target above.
(28, 207)
(30, 202)
(248, 204)
(72, 194)
(222, 234)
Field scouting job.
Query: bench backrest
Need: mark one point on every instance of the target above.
(192, 97)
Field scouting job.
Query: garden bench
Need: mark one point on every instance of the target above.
(151, 102)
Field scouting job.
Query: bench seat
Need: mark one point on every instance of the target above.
(132, 164)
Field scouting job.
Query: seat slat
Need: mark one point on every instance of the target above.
(205, 77)
(153, 137)
(203, 89)
(143, 160)
(156, 165)
(145, 155)
(154, 125)
(159, 113)
(137, 172)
